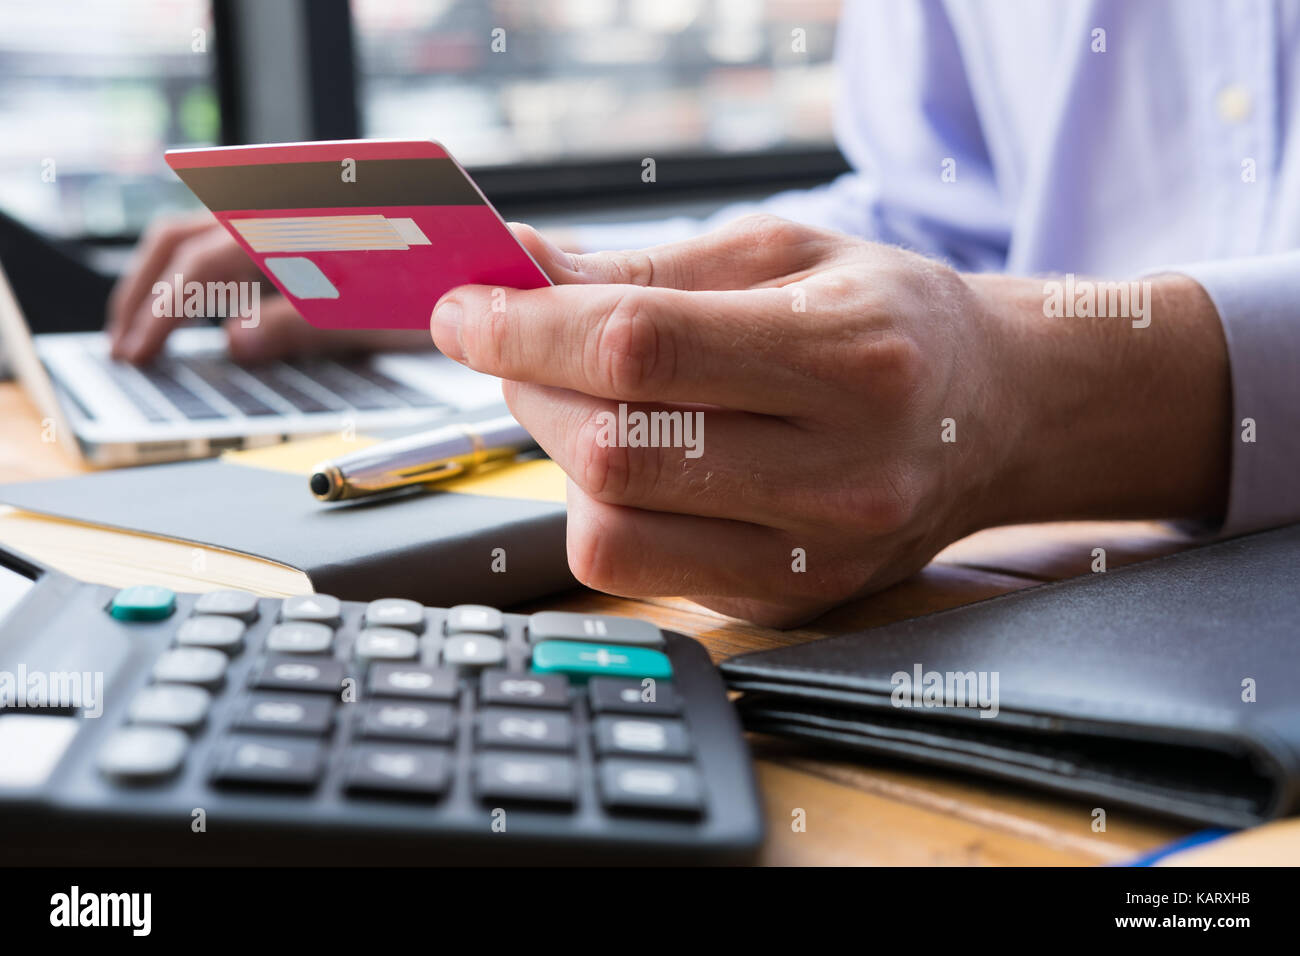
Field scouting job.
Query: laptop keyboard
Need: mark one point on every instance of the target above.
(308, 386)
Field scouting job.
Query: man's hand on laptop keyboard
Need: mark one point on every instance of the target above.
(198, 249)
(853, 408)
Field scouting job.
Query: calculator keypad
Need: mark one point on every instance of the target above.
(543, 710)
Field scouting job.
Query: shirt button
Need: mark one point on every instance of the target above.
(1234, 103)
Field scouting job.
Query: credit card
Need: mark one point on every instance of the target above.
(358, 234)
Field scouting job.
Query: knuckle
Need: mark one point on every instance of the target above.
(633, 355)
(604, 467)
(764, 229)
(485, 337)
(632, 268)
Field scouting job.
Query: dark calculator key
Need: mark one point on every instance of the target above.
(299, 714)
(650, 785)
(297, 673)
(526, 778)
(523, 690)
(641, 736)
(407, 720)
(598, 628)
(172, 705)
(240, 604)
(139, 754)
(404, 680)
(212, 630)
(420, 771)
(618, 695)
(274, 763)
(525, 729)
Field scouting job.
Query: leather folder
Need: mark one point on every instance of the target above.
(1171, 686)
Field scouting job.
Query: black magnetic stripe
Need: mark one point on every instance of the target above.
(379, 182)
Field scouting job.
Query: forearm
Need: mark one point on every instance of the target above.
(1105, 419)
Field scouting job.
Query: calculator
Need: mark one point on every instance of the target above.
(143, 725)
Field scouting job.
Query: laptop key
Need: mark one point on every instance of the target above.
(186, 402)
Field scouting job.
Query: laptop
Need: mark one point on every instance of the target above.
(194, 401)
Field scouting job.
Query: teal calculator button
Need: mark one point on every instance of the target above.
(143, 602)
(579, 661)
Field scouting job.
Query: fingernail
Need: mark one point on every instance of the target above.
(445, 326)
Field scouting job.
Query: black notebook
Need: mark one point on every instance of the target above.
(1172, 686)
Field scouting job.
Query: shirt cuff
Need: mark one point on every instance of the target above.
(1258, 300)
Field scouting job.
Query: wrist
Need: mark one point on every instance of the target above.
(1125, 416)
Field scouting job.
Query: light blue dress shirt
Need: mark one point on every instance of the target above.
(1109, 138)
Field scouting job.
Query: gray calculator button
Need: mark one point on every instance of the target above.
(320, 608)
(525, 729)
(425, 683)
(643, 736)
(300, 638)
(274, 763)
(308, 674)
(407, 720)
(596, 628)
(395, 612)
(294, 714)
(143, 753)
(419, 771)
(523, 689)
(386, 644)
(620, 695)
(525, 777)
(240, 604)
(190, 665)
(473, 650)
(174, 705)
(475, 618)
(212, 630)
(650, 785)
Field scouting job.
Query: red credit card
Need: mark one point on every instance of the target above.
(359, 234)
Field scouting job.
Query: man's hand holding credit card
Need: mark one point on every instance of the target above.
(358, 234)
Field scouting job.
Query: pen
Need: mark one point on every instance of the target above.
(446, 452)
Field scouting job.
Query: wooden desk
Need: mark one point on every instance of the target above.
(868, 811)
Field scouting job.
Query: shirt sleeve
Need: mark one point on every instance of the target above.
(906, 121)
(1258, 300)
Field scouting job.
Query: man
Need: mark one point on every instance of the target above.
(865, 405)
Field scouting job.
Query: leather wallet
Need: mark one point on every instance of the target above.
(1172, 686)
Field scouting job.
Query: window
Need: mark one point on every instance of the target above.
(526, 81)
(91, 94)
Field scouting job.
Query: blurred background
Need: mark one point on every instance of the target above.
(553, 115)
